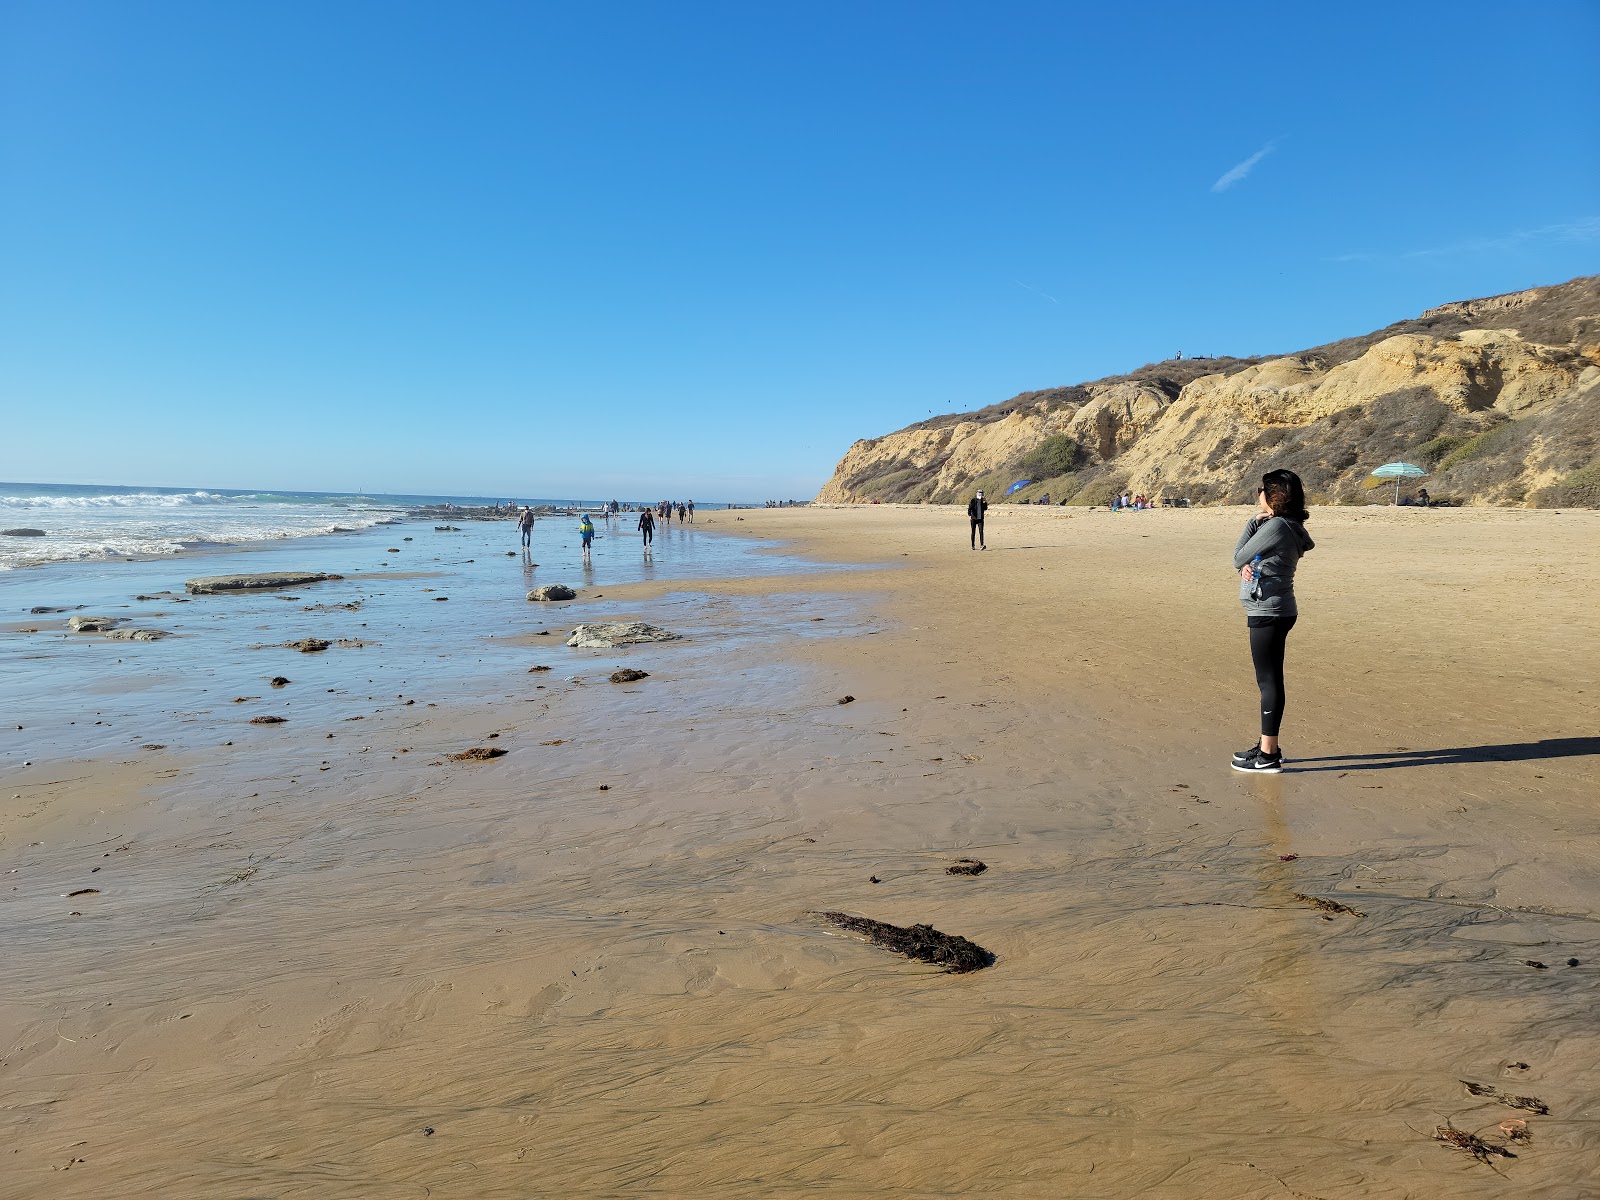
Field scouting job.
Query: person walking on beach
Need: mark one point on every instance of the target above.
(976, 507)
(1267, 553)
(647, 527)
(586, 532)
(525, 523)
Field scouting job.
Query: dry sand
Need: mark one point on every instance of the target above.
(290, 975)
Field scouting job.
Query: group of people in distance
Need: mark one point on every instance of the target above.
(1265, 557)
(1136, 502)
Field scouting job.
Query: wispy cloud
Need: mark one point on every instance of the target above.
(1237, 173)
(1036, 291)
(1585, 229)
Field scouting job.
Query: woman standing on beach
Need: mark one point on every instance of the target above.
(1266, 556)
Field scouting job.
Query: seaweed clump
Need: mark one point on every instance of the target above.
(1470, 1142)
(924, 943)
(476, 754)
(1326, 905)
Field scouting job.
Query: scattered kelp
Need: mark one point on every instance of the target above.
(1527, 1103)
(1470, 1142)
(476, 754)
(967, 866)
(922, 942)
(1326, 905)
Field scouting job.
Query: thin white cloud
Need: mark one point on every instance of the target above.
(1585, 229)
(1237, 173)
(1036, 291)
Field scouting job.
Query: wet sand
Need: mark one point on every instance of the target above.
(306, 952)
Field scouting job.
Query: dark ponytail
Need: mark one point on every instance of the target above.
(1285, 495)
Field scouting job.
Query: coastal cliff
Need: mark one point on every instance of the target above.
(1498, 397)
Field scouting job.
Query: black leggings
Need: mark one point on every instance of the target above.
(1268, 637)
(977, 531)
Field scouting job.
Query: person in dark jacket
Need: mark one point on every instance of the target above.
(976, 507)
(1276, 536)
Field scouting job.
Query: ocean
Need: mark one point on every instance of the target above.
(85, 522)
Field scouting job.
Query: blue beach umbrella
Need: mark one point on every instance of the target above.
(1018, 486)
(1398, 471)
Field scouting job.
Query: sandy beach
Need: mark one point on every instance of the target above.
(319, 958)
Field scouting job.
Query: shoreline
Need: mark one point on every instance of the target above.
(588, 993)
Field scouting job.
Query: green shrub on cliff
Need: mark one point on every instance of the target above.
(1052, 457)
(1579, 489)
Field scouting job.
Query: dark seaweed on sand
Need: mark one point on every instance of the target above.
(1470, 1142)
(1326, 905)
(476, 754)
(967, 866)
(922, 942)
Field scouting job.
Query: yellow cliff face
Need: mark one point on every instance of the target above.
(1494, 414)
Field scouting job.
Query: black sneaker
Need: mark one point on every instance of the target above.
(1266, 764)
(1242, 755)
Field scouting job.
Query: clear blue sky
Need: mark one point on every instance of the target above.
(699, 248)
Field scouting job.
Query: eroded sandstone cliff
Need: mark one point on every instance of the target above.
(1498, 397)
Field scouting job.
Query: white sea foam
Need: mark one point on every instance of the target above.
(140, 523)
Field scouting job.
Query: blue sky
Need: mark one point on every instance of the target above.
(699, 248)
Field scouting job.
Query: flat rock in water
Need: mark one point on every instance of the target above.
(617, 633)
(21, 533)
(93, 624)
(208, 585)
(553, 591)
(628, 675)
(307, 645)
(137, 635)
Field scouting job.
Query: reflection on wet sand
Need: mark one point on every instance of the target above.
(324, 966)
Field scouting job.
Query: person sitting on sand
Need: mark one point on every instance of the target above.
(1266, 556)
(976, 507)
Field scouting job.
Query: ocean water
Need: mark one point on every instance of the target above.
(89, 522)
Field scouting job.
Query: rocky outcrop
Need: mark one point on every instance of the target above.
(208, 585)
(22, 533)
(617, 633)
(1498, 397)
(137, 635)
(86, 624)
(552, 591)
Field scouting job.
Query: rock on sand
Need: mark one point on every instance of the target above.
(93, 624)
(208, 585)
(617, 633)
(137, 635)
(553, 591)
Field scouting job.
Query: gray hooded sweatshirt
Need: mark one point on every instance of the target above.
(1280, 542)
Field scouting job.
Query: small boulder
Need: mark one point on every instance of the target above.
(137, 635)
(308, 645)
(553, 591)
(617, 633)
(279, 681)
(22, 533)
(93, 624)
(628, 675)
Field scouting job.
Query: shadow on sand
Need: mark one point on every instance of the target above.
(1573, 747)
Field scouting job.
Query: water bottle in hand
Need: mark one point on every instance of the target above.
(1255, 578)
